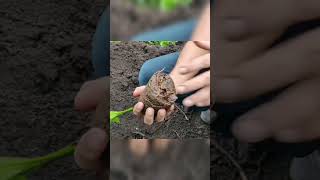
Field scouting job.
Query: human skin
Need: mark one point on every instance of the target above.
(187, 79)
(93, 143)
(246, 67)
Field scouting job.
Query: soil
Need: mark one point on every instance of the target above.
(128, 20)
(255, 164)
(186, 160)
(44, 58)
(126, 60)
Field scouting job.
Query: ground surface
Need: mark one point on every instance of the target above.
(186, 160)
(44, 58)
(128, 20)
(257, 165)
(126, 60)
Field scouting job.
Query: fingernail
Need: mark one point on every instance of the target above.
(249, 130)
(187, 102)
(140, 105)
(183, 70)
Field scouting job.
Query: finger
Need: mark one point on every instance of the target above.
(203, 44)
(160, 145)
(90, 148)
(161, 114)
(139, 147)
(138, 108)
(304, 133)
(197, 64)
(90, 94)
(256, 17)
(149, 116)
(247, 28)
(137, 92)
(283, 113)
(201, 98)
(171, 110)
(195, 83)
(282, 65)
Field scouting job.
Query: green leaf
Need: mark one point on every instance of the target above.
(164, 5)
(19, 177)
(115, 115)
(162, 43)
(15, 168)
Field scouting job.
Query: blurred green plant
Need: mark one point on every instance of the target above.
(162, 43)
(115, 115)
(163, 5)
(17, 168)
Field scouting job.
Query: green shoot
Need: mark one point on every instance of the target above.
(162, 43)
(16, 168)
(163, 5)
(115, 115)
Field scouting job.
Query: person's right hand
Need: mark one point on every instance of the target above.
(148, 116)
(249, 61)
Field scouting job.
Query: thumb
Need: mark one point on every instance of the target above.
(137, 92)
(203, 44)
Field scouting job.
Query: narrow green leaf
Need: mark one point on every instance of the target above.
(15, 168)
(19, 177)
(115, 115)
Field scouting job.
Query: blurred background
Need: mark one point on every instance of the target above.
(131, 17)
(142, 159)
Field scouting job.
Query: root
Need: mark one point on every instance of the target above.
(242, 174)
(185, 116)
(177, 134)
(139, 133)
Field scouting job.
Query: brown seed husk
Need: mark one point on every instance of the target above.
(160, 92)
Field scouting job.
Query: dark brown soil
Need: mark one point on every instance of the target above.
(44, 58)
(186, 160)
(126, 60)
(128, 20)
(257, 165)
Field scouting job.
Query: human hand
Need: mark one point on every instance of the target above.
(149, 115)
(200, 83)
(247, 64)
(92, 144)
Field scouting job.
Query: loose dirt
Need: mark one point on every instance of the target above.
(44, 58)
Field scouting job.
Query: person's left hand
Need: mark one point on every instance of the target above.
(199, 83)
(92, 145)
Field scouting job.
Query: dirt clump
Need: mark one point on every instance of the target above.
(160, 92)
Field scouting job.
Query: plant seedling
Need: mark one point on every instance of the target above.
(115, 115)
(163, 5)
(17, 168)
(162, 43)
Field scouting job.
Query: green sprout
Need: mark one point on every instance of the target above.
(17, 168)
(163, 5)
(115, 115)
(162, 43)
